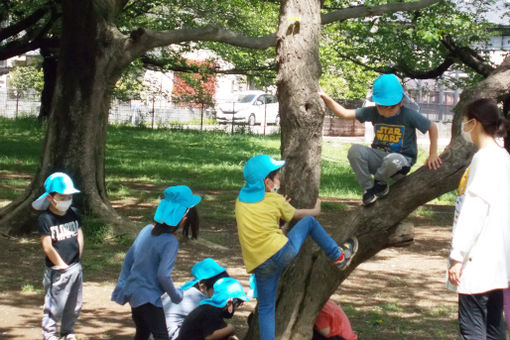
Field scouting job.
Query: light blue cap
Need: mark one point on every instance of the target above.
(58, 182)
(202, 270)
(224, 289)
(387, 90)
(255, 171)
(173, 206)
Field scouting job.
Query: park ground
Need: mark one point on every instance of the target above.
(398, 294)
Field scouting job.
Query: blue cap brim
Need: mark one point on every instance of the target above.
(171, 212)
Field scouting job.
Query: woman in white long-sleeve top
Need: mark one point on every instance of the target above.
(479, 263)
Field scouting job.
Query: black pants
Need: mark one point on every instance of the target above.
(318, 336)
(481, 316)
(149, 319)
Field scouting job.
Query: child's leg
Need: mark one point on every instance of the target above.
(266, 278)
(506, 306)
(391, 165)
(310, 226)
(364, 162)
(73, 305)
(149, 319)
(54, 301)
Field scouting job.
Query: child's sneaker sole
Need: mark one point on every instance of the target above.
(349, 249)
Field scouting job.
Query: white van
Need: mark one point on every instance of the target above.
(250, 107)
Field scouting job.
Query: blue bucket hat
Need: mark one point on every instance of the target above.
(202, 270)
(255, 171)
(173, 206)
(224, 289)
(387, 90)
(58, 182)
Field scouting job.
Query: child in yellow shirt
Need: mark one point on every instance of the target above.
(266, 250)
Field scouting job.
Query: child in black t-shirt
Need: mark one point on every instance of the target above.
(62, 243)
(207, 320)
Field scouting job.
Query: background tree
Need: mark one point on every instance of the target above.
(25, 78)
(196, 89)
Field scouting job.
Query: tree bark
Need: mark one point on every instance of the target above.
(76, 134)
(309, 281)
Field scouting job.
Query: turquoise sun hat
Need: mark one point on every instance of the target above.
(202, 270)
(224, 289)
(173, 206)
(58, 182)
(255, 171)
(387, 90)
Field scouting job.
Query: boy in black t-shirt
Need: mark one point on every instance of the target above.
(207, 320)
(62, 242)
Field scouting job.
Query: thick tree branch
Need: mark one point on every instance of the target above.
(468, 56)
(24, 24)
(405, 70)
(363, 11)
(17, 48)
(156, 64)
(144, 40)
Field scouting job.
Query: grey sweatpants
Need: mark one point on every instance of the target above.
(62, 300)
(366, 162)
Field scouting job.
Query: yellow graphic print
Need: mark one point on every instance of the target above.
(463, 181)
(390, 134)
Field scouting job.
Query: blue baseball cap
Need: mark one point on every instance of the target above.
(173, 206)
(224, 289)
(202, 270)
(255, 171)
(58, 182)
(387, 90)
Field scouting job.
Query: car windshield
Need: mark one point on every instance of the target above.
(244, 98)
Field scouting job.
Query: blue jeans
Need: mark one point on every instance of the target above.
(268, 273)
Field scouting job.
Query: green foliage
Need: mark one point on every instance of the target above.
(25, 78)
(405, 40)
(130, 85)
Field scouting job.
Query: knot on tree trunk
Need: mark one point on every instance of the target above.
(402, 235)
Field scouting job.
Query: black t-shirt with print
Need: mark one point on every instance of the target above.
(63, 231)
(202, 322)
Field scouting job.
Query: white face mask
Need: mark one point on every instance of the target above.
(276, 187)
(466, 134)
(63, 205)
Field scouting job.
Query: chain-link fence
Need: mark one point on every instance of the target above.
(14, 104)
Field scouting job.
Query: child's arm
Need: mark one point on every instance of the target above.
(315, 211)
(336, 108)
(80, 242)
(221, 333)
(166, 266)
(51, 252)
(433, 161)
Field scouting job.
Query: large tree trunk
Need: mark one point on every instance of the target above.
(76, 134)
(309, 281)
(49, 67)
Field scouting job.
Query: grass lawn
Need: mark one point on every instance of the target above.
(141, 162)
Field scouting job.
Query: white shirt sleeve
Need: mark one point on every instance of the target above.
(470, 222)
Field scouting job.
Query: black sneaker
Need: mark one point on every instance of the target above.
(369, 197)
(380, 189)
(348, 249)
